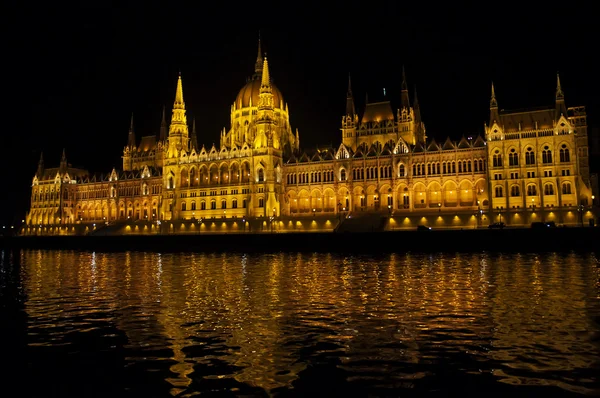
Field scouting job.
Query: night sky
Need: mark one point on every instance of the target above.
(76, 74)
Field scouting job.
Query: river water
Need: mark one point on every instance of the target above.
(80, 323)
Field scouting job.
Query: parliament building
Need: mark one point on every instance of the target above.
(385, 174)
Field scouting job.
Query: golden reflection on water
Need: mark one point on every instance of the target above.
(513, 314)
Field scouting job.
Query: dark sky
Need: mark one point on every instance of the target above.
(77, 73)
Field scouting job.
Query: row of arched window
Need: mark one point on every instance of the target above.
(463, 166)
(513, 156)
(212, 205)
(312, 177)
(515, 190)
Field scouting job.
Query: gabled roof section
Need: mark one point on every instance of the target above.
(386, 149)
(418, 148)
(373, 151)
(292, 159)
(378, 111)
(316, 157)
(463, 144)
(327, 155)
(359, 152)
(479, 142)
(448, 145)
(401, 147)
(433, 146)
(342, 152)
(303, 158)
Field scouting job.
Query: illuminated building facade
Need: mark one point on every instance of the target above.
(530, 166)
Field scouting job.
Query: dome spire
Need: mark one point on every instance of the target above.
(131, 137)
(179, 104)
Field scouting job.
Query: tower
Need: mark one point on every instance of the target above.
(178, 130)
(350, 119)
(129, 148)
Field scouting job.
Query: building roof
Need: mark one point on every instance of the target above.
(378, 111)
(513, 121)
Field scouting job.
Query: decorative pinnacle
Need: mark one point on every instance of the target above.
(349, 86)
(493, 102)
(404, 85)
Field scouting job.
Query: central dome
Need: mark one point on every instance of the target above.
(251, 91)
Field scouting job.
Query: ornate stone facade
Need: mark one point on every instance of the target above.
(531, 165)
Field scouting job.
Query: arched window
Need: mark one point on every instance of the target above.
(548, 189)
(496, 159)
(498, 191)
(566, 188)
(261, 175)
(234, 204)
(203, 205)
(223, 204)
(170, 183)
(529, 156)
(183, 206)
(513, 158)
(564, 154)
(193, 205)
(514, 191)
(213, 204)
(546, 155)
(261, 202)
(531, 190)
(343, 175)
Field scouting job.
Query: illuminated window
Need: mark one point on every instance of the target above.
(529, 156)
(261, 202)
(496, 159)
(566, 188)
(546, 155)
(548, 189)
(513, 158)
(498, 191)
(515, 191)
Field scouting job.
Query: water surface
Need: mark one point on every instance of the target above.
(178, 324)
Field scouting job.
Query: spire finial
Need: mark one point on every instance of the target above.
(404, 85)
(163, 126)
(64, 156)
(404, 99)
(131, 124)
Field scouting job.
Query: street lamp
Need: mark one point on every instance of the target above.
(314, 211)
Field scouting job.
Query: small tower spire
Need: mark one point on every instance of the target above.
(178, 129)
(40, 169)
(131, 138)
(179, 104)
(266, 79)
(404, 98)
(350, 109)
(561, 108)
(194, 138)
(494, 116)
(163, 126)
(63, 161)
(258, 66)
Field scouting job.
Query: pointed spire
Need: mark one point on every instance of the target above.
(131, 138)
(194, 138)
(559, 92)
(163, 126)
(63, 161)
(178, 124)
(179, 104)
(404, 98)
(40, 169)
(494, 115)
(350, 109)
(561, 108)
(493, 102)
(266, 79)
(258, 66)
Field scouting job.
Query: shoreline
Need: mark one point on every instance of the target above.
(400, 241)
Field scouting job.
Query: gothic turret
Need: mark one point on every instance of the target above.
(258, 65)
